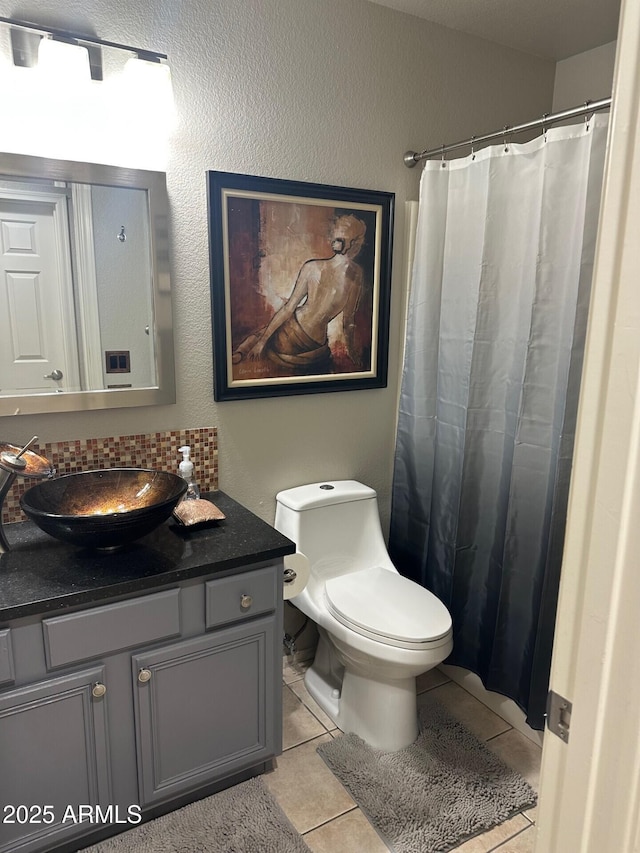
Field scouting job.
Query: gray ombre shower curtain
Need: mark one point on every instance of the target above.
(495, 338)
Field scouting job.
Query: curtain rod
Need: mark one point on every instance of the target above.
(411, 157)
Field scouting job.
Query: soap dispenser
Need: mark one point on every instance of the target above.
(185, 469)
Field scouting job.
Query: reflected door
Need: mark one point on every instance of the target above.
(37, 328)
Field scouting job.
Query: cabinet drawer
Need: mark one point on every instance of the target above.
(101, 630)
(6, 657)
(240, 596)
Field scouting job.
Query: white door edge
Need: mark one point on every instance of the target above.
(590, 786)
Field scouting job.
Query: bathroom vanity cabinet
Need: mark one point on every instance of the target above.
(126, 692)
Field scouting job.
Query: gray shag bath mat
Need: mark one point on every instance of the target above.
(242, 819)
(435, 793)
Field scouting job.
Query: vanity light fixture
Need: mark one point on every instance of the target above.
(101, 101)
(27, 39)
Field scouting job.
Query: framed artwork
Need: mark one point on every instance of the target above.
(300, 286)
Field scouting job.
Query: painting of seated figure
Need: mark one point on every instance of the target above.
(300, 286)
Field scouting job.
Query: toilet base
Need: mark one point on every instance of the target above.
(383, 712)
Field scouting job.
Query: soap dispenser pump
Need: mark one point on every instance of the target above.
(185, 470)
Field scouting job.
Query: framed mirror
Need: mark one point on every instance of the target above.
(85, 293)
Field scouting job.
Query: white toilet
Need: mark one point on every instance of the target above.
(378, 630)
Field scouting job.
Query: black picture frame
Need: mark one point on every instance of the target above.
(268, 236)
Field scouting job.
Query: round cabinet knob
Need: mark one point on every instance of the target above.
(144, 675)
(98, 690)
(246, 601)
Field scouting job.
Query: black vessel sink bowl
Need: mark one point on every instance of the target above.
(103, 509)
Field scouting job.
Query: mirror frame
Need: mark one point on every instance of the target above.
(26, 166)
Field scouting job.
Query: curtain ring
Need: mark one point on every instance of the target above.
(504, 137)
(473, 153)
(442, 160)
(544, 126)
(587, 117)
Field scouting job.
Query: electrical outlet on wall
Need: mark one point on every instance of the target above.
(117, 361)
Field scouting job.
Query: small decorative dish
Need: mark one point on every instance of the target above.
(199, 511)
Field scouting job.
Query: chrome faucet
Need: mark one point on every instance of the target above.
(19, 461)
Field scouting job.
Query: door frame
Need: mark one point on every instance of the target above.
(590, 786)
(88, 314)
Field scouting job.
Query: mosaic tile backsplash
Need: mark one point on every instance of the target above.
(153, 450)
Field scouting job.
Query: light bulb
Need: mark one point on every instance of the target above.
(60, 63)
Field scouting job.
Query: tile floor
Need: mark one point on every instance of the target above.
(325, 814)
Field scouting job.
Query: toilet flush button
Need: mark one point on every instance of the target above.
(327, 486)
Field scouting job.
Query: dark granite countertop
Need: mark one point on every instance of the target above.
(41, 574)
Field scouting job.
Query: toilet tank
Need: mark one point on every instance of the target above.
(335, 524)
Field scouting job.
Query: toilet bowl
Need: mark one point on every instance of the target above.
(377, 630)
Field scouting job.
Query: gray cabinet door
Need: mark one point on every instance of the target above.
(53, 754)
(204, 708)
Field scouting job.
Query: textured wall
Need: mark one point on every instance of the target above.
(329, 91)
(585, 76)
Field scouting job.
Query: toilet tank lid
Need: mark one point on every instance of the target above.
(325, 493)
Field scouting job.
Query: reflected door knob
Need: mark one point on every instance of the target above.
(55, 374)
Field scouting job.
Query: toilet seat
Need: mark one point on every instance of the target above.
(387, 607)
